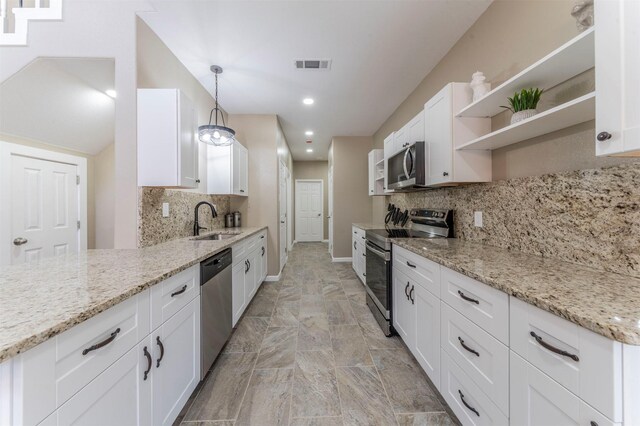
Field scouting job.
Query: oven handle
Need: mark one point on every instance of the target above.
(377, 252)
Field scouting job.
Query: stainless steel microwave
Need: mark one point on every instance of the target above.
(408, 168)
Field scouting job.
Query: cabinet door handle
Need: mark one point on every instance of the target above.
(364, 254)
(249, 262)
(246, 266)
(468, 299)
(553, 349)
(354, 246)
(105, 342)
(242, 190)
(262, 251)
(445, 173)
(467, 347)
(149, 362)
(182, 290)
(405, 290)
(603, 136)
(159, 342)
(413, 301)
(467, 405)
(410, 265)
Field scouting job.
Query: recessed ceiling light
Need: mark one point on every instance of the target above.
(111, 93)
(307, 101)
(309, 133)
(309, 150)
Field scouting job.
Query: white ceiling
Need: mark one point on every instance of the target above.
(62, 102)
(380, 50)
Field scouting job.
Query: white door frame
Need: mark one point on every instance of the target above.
(321, 181)
(331, 209)
(6, 151)
(289, 210)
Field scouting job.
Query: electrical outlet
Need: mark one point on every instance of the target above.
(477, 219)
(165, 209)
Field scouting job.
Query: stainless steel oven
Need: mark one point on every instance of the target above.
(408, 168)
(378, 285)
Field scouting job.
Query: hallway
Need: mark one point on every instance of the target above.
(309, 352)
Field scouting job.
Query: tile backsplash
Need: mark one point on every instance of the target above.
(590, 217)
(154, 229)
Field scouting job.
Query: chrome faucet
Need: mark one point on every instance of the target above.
(196, 225)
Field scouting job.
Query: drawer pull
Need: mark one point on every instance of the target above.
(103, 343)
(467, 347)
(468, 299)
(182, 290)
(161, 350)
(263, 251)
(354, 245)
(411, 294)
(405, 290)
(410, 265)
(553, 349)
(592, 423)
(467, 405)
(149, 362)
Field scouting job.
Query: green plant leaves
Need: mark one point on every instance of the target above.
(523, 100)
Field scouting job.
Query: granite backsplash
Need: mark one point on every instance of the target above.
(155, 229)
(589, 217)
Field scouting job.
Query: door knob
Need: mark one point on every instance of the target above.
(20, 241)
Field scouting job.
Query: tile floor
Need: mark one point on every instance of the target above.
(308, 352)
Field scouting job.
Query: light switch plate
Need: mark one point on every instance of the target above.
(165, 209)
(477, 219)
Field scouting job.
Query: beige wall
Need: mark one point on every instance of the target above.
(508, 37)
(314, 170)
(351, 200)
(104, 169)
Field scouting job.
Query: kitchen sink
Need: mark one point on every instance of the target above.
(215, 237)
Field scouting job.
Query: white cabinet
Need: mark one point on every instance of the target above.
(537, 400)
(228, 170)
(415, 128)
(427, 319)
(239, 300)
(404, 312)
(248, 272)
(376, 172)
(443, 133)
(389, 145)
(359, 253)
(252, 276)
(176, 362)
(167, 142)
(617, 84)
(264, 263)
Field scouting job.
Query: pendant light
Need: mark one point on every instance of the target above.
(214, 134)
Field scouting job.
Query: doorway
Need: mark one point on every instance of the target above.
(46, 197)
(309, 210)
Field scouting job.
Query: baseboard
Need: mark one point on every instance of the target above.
(271, 278)
(325, 241)
(341, 259)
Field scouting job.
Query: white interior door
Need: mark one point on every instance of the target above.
(44, 209)
(283, 214)
(330, 176)
(309, 208)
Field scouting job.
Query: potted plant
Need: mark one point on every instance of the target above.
(523, 104)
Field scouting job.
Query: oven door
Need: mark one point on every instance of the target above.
(379, 278)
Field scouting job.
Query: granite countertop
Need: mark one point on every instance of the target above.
(39, 301)
(603, 302)
(366, 226)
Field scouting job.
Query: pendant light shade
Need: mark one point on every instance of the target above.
(215, 134)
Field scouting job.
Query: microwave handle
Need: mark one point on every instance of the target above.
(404, 162)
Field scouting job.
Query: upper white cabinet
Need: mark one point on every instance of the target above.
(617, 83)
(376, 172)
(444, 133)
(228, 170)
(167, 142)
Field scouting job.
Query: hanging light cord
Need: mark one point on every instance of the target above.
(216, 109)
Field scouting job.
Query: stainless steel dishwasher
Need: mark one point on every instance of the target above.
(215, 307)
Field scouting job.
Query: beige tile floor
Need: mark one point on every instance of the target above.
(308, 352)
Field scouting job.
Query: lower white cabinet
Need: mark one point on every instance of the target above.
(427, 318)
(359, 253)
(536, 399)
(404, 312)
(264, 260)
(238, 298)
(248, 273)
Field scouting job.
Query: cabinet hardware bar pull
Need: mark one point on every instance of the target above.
(405, 290)
(263, 251)
(249, 262)
(410, 265)
(354, 245)
(413, 287)
(182, 290)
(161, 351)
(262, 237)
(467, 298)
(246, 266)
(553, 349)
(103, 343)
(149, 362)
(467, 347)
(467, 405)
(364, 254)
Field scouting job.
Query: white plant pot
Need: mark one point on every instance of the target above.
(523, 115)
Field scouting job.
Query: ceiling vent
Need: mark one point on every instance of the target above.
(313, 64)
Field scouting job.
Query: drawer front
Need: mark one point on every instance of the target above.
(127, 321)
(252, 242)
(468, 402)
(485, 306)
(481, 356)
(423, 271)
(172, 294)
(239, 252)
(536, 399)
(358, 233)
(591, 367)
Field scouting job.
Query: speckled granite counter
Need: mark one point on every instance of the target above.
(603, 302)
(366, 226)
(40, 301)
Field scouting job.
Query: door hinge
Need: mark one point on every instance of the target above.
(78, 224)
(77, 179)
